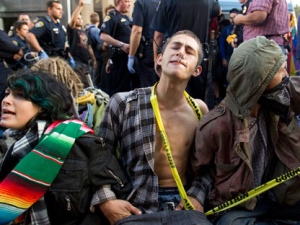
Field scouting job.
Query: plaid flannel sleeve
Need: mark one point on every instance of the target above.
(102, 195)
(201, 188)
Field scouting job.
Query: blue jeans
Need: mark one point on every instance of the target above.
(168, 198)
(266, 212)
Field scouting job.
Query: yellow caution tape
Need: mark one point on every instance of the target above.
(254, 192)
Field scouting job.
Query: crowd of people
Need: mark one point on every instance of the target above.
(137, 121)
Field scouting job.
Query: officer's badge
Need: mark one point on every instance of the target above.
(64, 28)
(15, 42)
(244, 9)
(107, 18)
(123, 20)
(55, 30)
(39, 24)
(10, 33)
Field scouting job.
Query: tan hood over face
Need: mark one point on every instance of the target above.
(251, 68)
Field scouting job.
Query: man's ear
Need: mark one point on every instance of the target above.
(197, 71)
(158, 65)
(159, 59)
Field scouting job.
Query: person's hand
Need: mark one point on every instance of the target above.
(125, 48)
(107, 67)
(72, 62)
(18, 56)
(224, 63)
(95, 64)
(34, 54)
(130, 64)
(234, 43)
(43, 55)
(196, 204)
(81, 2)
(115, 210)
(237, 20)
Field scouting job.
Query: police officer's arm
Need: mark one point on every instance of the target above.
(33, 42)
(76, 13)
(157, 43)
(92, 56)
(254, 18)
(114, 42)
(135, 37)
(8, 49)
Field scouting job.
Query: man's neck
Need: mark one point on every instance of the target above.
(78, 27)
(255, 110)
(22, 38)
(119, 10)
(170, 94)
(53, 19)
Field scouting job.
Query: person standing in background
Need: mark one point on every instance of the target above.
(80, 44)
(48, 36)
(298, 42)
(141, 41)
(94, 35)
(269, 18)
(115, 31)
(21, 29)
(22, 17)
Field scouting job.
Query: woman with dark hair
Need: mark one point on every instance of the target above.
(50, 174)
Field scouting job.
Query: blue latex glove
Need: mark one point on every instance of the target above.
(72, 62)
(43, 55)
(130, 64)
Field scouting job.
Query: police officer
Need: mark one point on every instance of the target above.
(21, 29)
(115, 31)
(141, 40)
(22, 17)
(48, 36)
(8, 54)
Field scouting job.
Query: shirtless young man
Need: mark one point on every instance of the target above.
(131, 121)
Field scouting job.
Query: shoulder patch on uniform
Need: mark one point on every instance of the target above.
(15, 42)
(107, 18)
(10, 33)
(39, 24)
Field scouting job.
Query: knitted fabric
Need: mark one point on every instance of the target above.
(33, 175)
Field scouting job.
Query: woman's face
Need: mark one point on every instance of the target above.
(16, 110)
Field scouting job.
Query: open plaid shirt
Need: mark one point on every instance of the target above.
(129, 120)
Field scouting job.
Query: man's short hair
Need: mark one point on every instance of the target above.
(18, 24)
(235, 10)
(109, 7)
(23, 14)
(94, 18)
(51, 3)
